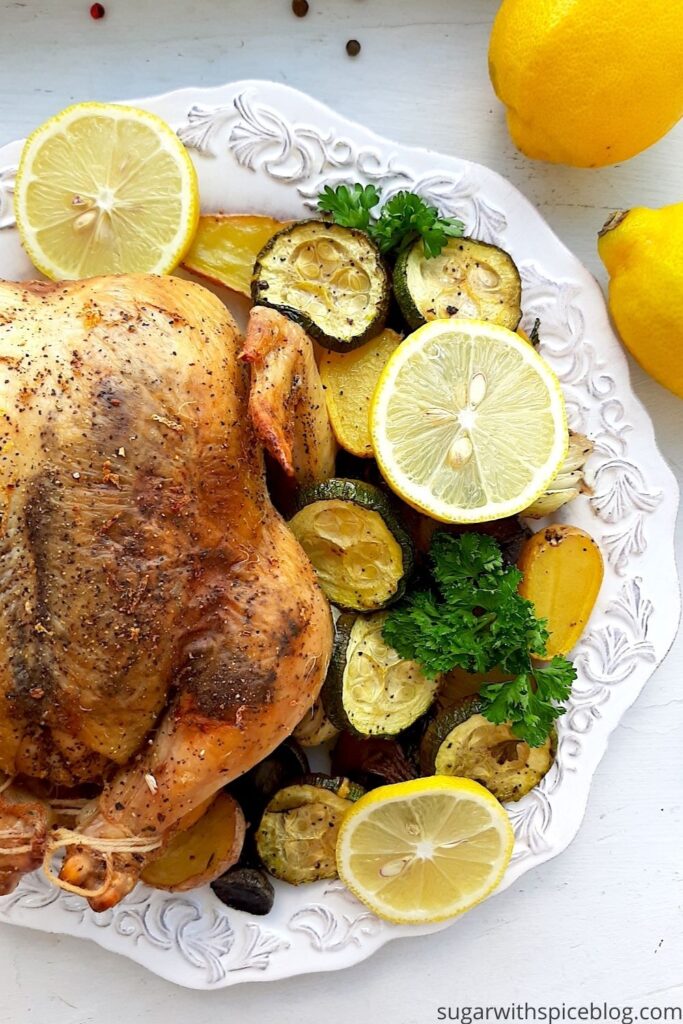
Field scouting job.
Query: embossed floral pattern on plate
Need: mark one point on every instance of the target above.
(260, 145)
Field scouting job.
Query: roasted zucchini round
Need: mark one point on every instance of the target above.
(297, 837)
(461, 742)
(328, 278)
(370, 690)
(468, 279)
(362, 555)
(338, 784)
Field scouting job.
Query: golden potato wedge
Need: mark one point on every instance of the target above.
(225, 248)
(202, 852)
(563, 572)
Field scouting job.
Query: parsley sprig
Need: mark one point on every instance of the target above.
(403, 219)
(350, 206)
(473, 618)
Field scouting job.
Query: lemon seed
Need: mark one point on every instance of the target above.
(460, 453)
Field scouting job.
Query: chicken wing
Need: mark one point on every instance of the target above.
(287, 399)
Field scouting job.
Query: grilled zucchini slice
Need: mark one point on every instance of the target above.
(463, 743)
(338, 784)
(369, 689)
(468, 279)
(362, 555)
(328, 278)
(297, 837)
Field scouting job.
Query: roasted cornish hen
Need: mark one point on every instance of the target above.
(160, 628)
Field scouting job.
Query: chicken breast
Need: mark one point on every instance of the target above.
(160, 627)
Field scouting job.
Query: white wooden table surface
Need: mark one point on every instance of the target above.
(603, 922)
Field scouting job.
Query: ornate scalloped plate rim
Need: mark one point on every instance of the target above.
(281, 146)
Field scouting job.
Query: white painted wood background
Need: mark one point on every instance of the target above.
(602, 922)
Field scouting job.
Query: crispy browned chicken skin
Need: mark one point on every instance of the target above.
(160, 628)
(287, 400)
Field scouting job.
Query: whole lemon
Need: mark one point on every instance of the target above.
(588, 82)
(643, 252)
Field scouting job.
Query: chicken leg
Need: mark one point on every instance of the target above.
(24, 823)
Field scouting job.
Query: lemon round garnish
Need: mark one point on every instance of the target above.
(468, 422)
(424, 850)
(105, 189)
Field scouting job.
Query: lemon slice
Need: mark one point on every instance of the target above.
(468, 422)
(424, 850)
(105, 189)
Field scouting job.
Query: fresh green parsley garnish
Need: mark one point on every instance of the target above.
(403, 219)
(406, 217)
(350, 206)
(474, 619)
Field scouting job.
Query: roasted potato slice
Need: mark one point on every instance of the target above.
(225, 248)
(563, 572)
(202, 852)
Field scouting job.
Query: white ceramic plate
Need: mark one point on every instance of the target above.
(261, 147)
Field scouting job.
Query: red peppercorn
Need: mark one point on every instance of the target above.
(97, 11)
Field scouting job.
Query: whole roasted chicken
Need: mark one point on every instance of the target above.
(160, 628)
